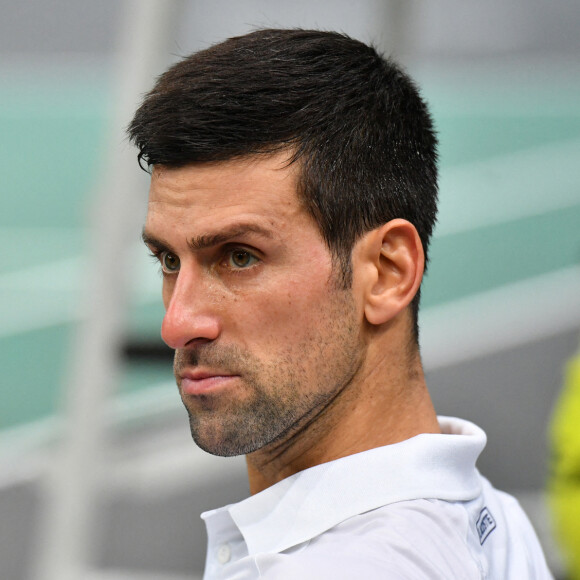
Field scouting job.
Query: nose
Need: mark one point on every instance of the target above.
(190, 315)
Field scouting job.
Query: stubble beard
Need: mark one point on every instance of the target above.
(273, 399)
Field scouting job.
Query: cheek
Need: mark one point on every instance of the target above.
(166, 292)
(289, 316)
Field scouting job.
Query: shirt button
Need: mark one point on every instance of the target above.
(224, 554)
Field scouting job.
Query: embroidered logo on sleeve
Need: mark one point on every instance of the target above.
(485, 524)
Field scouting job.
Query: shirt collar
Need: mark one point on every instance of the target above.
(303, 506)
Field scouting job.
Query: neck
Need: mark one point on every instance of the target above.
(384, 404)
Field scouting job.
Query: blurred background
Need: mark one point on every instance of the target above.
(98, 475)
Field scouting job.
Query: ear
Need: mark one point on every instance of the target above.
(393, 261)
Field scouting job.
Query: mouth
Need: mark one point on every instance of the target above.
(200, 382)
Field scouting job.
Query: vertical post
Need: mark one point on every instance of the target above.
(65, 533)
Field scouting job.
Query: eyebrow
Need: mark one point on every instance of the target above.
(154, 242)
(210, 240)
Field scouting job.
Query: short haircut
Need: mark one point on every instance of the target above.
(352, 119)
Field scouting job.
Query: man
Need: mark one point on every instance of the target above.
(293, 195)
(563, 485)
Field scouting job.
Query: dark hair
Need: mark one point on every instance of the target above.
(353, 120)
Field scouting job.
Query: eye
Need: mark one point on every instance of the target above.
(169, 263)
(239, 258)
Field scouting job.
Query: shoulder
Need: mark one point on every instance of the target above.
(420, 539)
(508, 540)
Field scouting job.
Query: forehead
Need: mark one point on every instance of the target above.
(256, 185)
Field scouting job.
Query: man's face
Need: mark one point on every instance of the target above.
(265, 339)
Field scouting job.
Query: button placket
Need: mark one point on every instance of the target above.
(224, 553)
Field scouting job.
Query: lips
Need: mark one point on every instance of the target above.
(200, 382)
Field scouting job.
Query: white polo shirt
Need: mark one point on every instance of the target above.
(414, 510)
